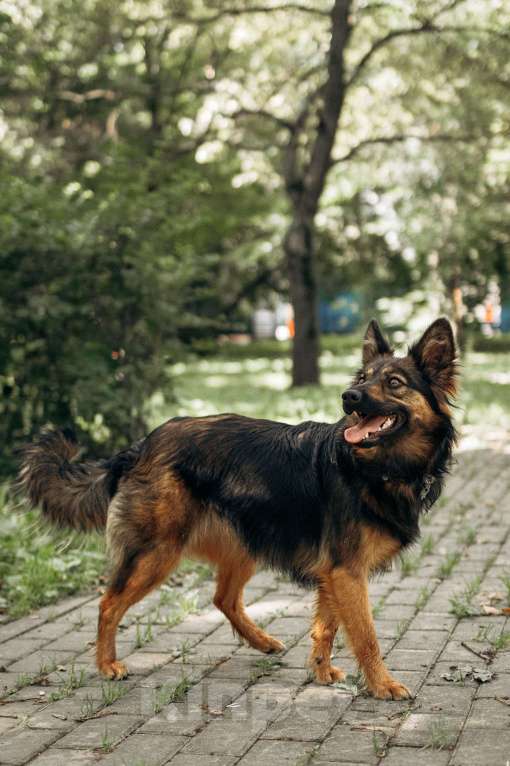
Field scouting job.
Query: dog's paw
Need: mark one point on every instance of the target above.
(271, 645)
(389, 689)
(328, 674)
(114, 671)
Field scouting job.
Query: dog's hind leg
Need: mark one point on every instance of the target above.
(233, 574)
(324, 629)
(129, 585)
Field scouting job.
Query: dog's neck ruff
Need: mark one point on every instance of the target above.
(424, 489)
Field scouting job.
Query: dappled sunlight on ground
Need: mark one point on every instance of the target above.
(259, 386)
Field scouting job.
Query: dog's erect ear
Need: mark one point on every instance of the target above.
(374, 343)
(435, 355)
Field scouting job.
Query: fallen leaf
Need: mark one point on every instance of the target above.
(461, 672)
(487, 609)
(482, 675)
(496, 596)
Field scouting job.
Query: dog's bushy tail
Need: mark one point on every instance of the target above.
(72, 495)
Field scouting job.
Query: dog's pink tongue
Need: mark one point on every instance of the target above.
(355, 434)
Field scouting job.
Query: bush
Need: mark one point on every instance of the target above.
(497, 344)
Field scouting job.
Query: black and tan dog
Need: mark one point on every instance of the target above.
(326, 504)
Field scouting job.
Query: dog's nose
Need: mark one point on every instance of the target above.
(352, 396)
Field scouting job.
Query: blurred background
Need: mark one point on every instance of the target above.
(203, 202)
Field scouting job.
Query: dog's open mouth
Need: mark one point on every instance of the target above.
(370, 428)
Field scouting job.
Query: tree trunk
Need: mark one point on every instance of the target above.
(304, 183)
(458, 312)
(300, 257)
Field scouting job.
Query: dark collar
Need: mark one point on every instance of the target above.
(424, 486)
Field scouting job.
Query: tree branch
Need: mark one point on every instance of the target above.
(90, 95)
(333, 94)
(426, 27)
(301, 8)
(399, 138)
(282, 123)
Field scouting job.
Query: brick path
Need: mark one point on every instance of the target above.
(195, 697)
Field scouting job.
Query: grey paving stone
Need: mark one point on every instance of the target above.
(208, 654)
(397, 612)
(310, 716)
(454, 652)
(90, 734)
(431, 621)
(288, 626)
(489, 714)
(261, 705)
(19, 627)
(60, 715)
(178, 719)
(55, 757)
(405, 596)
(225, 737)
(41, 660)
(297, 657)
(200, 623)
(141, 663)
(425, 640)
(23, 744)
(275, 752)
(423, 729)
(8, 682)
(344, 745)
(242, 668)
(170, 643)
(451, 700)
(173, 673)
(215, 693)
(199, 759)
(413, 659)
(75, 641)
(17, 648)
(7, 724)
(469, 628)
(412, 756)
(498, 687)
(146, 749)
(481, 748)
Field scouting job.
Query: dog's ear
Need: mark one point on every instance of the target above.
(435, 354)
(374, 343)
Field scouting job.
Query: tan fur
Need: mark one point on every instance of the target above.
(343, 599)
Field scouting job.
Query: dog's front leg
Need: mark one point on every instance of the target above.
(324, 629)
(353, 609)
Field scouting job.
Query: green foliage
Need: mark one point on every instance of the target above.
(38, 566)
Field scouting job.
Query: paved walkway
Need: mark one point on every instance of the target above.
(195, 697)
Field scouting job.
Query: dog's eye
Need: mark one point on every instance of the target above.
(395, 382)
(362, 378)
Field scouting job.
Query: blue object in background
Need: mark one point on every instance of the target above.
(505, 318)
(340, 314)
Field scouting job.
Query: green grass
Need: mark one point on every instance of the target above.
(461, 603)
(39, 566)
(74, 680)
(448, 565)
(169, 693)
(440, 736)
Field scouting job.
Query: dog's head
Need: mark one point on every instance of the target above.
(399, 406)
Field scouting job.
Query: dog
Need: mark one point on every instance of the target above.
(326, 504)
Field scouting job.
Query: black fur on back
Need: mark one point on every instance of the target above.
(293, 490)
